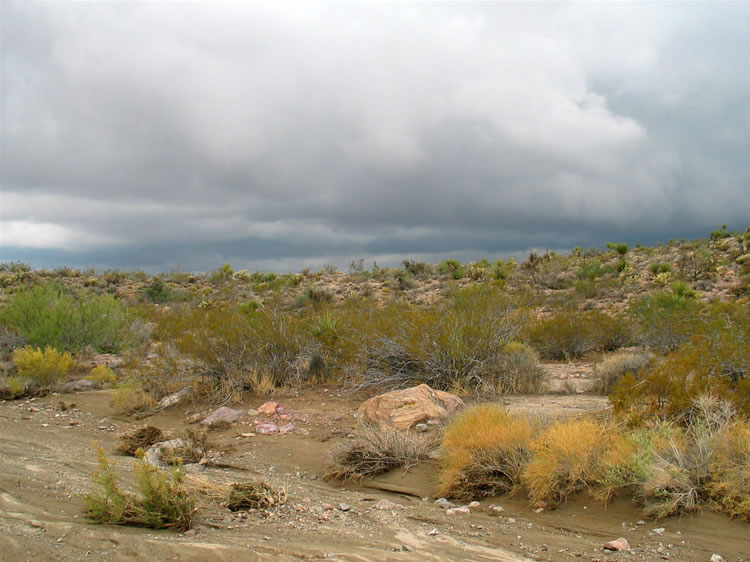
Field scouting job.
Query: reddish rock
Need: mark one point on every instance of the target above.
(271, 408)
(267, 428)
(402, 409)
(618, 545)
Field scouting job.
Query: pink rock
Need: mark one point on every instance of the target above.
(269, 408)
(288, 428)
(267, 428)
(618, 545)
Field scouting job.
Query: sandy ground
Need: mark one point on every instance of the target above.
(47, 455)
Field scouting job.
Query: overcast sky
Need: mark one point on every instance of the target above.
(274, 135)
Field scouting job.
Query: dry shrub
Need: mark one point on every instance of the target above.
(130, 397)
(680, 474)
(253, 495)
(611, 370)
(566, 459)
(102, 375)
(484, 451)
(729, 478)
(374, 451)
(162, 501)
(141, 438)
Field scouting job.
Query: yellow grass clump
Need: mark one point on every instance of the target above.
(484, 452)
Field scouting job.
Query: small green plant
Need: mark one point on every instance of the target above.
(447, 267)
(618, 247)
(158, 291)
(659, 267)
(162, 501)
(44, 367)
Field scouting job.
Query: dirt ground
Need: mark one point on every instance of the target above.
(47, 454)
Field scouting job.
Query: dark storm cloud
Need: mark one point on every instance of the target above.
(155, 135)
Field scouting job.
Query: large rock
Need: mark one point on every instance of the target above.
(402, 409)
(77, 386)
(224, 414)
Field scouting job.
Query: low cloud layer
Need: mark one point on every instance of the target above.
(275, 137)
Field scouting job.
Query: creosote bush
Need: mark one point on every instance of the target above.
(162, 501)
(484, 450)
(47, 314)
(610, 371)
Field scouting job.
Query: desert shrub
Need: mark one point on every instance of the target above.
(720, 233)
(659, 267)
(680, 473)
(447, 267)
(566, 458)
(682, 291)
(158, 291)
(728, 484)
(45, 367)
(715, 361)
(696, 263)
(547, 271)
(665, 320)
(162, 501)
(611, 370)
(517, 370)
(48, 315)
(572, 333)
(619, 247)
(451, 345)
(484, 450)
(129, 397)
(12, 388)
(102, 375)
(374, 451)
(417, 268)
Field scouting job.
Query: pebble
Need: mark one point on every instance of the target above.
(433, 532)
(422, 428)
(344, 507)
(458, 511)
(444, 503)
(716, 558)
(386, 505)
(658, 531)
(474, 504)
(496, 508)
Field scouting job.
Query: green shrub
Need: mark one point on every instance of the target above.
(572, 333)
(45, 367)
(729, 472)
(158, 291)
(659, 267)
(162, 501)
(48, 315)
(618, 247)
(448, 267)
(665, 320)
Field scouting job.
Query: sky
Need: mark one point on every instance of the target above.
(280, 135)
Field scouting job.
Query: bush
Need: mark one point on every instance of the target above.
(715, 361)
(572, 333)
(729, 472)
(566, 458)
(162, 501)
(45, 368)
(374, 451)
(129, 397)
(48, 315)
(484, 450)
(610, 371)
(665, 320)
(659, 267)
(102, 375)
(618, 247)
(451, 345)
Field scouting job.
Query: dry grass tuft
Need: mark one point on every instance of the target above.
(253, 495)
(729, 478)
(374, 451)
(484, 452)
(141, 438)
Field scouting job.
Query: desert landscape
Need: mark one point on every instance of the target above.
(266, 382)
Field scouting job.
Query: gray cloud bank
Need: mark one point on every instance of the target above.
(276, 136)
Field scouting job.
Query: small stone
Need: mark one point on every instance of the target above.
(327, 507)
(384, 505)
(538, 510)
(267, 428)
(223, 414)
(284, 429)
(406, 548)
(444, 503)
(422, 428)
(618, 545)
(658, 531)
(433, 532)
(344, 507)
(252, 412)
(474, 504)
(511, 519)
(716, 558)
(640, 522)
(539, 504)
(496, 508)
(191, 533)
(458, 511)
(270, 408)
